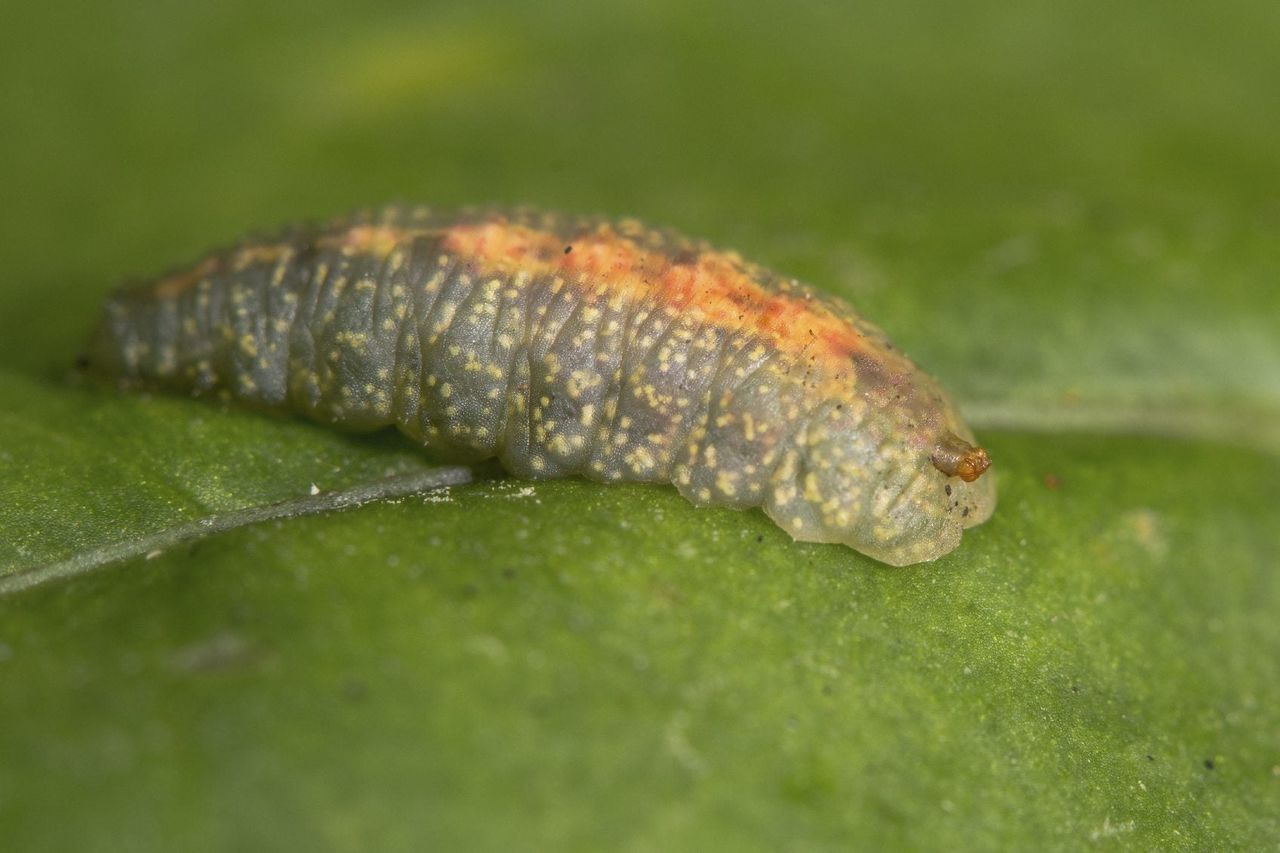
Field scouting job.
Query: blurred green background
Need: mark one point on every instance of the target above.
(1067, 212)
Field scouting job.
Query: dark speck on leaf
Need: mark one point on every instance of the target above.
(965, 512)
(1208, 764)
(568, 249)
(82, 362)
(1151, 758)
(760, 537)
(947, 489)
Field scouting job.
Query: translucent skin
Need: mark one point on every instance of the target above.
(573, 346)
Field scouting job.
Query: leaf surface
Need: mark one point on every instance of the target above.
(1068, 215)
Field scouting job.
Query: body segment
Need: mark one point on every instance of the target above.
(567, 347)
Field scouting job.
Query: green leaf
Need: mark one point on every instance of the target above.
(225, 630)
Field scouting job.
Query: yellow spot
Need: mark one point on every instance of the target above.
(811, 492)
(355, 340)
(641, 460)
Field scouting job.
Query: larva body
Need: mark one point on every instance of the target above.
(568, 346)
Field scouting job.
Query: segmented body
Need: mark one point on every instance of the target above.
(573, 346)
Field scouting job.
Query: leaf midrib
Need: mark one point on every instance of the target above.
(1253, 427)
(95, 558)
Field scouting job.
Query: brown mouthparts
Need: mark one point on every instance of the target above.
(956, 457)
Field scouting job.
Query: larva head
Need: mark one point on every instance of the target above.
(955, 457)
(899, 484)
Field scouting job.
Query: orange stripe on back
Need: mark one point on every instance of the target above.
(711, 283)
